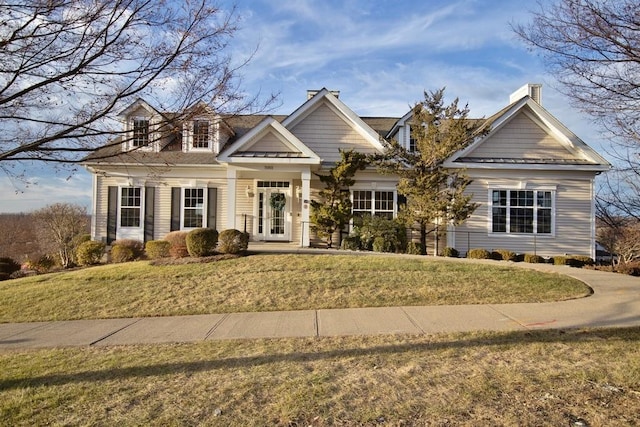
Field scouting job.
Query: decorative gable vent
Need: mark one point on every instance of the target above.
(312, 93)
(534, 90)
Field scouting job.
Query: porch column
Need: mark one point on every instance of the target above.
(306, 206)
(231, 197)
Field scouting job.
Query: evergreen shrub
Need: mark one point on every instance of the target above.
(90, 252)
(233, 241)
(202, 242)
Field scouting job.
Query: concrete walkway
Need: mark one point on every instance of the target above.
(615, 303)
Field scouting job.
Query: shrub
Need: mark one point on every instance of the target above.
(202, 242)
(156, 249)
(580, 260)
(379, 244)
(90, 252)
(630, 268)
(413, 248)
(136, 246)
(450, 252)
(122, 253)
(350, 243)
(233, 241)
(479, 254)
(504, 254)
(8, 265)
(4, 276)
(369, 228)
(533, 259)
(560, 260)
(178, 242)
(41, 264)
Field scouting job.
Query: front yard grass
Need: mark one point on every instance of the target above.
(270, 282)
(554, 378)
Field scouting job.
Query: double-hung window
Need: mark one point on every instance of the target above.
(140, 128)
(522, 211)
(193, 208)
(201, 136)
(374, 203)
(130, 206)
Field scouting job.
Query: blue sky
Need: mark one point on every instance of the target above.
(381, 56)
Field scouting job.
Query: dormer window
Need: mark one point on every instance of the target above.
(201, 134)
(140, 127)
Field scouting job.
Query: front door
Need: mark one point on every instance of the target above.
(274, 218)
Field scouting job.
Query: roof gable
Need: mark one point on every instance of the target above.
(524, 133)
(139, 107)
(268, 140)
(324, 100)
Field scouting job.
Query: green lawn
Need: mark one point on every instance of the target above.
(270, 282)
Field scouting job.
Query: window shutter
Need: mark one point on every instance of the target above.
(175, 208)
(212, 207)
(149, 210)
(112, 213)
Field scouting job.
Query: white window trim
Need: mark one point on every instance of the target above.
(205, 197)
(552, 189)
(373, 199)
(151, 144)
(142, 207)
(188, 132)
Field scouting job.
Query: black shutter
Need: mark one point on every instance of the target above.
(112, 213)
(176, 193)
(149, 210)
(212, 207)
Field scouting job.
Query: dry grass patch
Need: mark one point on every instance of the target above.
(514, 378)
(273, 282)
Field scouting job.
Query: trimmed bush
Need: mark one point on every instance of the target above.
(580, 260)
(4, 276)
(450, 252)
(233, 241)
(136, 246)
(350, 243)
(8, 265)
(156, 249)
(560, 260)
(202, 242)
(413, 248)
(90, 252)
(122, 253)
(178, 244)
(479, 253)
(533, 259)
(504, 255)
(368, 228)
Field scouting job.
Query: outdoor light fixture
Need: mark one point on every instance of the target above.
(299, 192)
(249, 191)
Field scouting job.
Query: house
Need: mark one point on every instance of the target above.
(532, 177)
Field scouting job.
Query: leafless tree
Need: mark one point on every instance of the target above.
(58, 228)
(68, 67)
(593, 48)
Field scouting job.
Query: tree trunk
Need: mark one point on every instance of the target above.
(423, 239)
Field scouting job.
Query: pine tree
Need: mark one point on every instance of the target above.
(433, 193)
(333, 211)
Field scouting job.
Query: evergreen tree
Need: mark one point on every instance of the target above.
(333, 211)
(433, 193)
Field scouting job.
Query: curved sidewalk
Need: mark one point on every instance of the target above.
(614, 303)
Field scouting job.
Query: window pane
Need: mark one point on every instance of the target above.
(544, 221)
(384, 201)
(193, 207)
(499, 220)
(130, 203)
(140, 132)
(521, 198)
(544, 199)
(201, 134)
(500, 197)
(521, 220)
